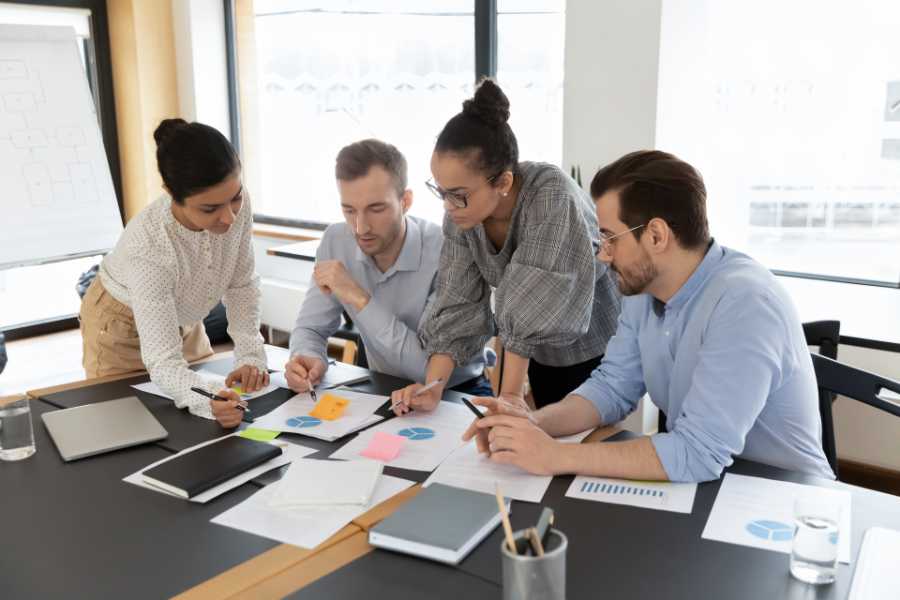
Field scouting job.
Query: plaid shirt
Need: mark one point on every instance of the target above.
(553, 301)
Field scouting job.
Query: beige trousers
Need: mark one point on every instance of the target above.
(110, 339)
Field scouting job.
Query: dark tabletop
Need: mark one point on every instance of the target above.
(622, 552)
(75, 530)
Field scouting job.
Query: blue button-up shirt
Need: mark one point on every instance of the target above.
(727, 361)
(399, 297)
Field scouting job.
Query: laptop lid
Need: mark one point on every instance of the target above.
(102, 427)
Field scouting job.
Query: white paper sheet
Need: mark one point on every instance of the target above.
(290, 452)
(430, 437)
(757, 512)
(306, 527)
(215, 378)
(659, 495)
(293, 416)
(469, 469)
(312, 482)
(876, 566)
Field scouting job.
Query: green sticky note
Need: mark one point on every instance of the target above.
(260, 435)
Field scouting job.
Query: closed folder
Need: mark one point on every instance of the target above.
(442, 523)
(208, 466)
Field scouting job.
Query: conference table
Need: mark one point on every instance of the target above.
(76, 530)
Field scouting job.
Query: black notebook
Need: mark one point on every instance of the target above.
(208, 466)
(442, 523)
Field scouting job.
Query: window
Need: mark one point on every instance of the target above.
(331, 73)
(43, 293)
(530, 60)
(792, 113)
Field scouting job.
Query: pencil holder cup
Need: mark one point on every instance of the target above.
(527, 577)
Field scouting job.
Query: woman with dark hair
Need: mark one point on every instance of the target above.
(175, 261)
(527, 232)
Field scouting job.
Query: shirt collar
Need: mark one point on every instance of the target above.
(410, 257)
(713, 257)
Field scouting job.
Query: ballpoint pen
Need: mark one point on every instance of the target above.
(241, 405)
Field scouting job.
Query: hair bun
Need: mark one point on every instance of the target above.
(166, 129)
(489, 104)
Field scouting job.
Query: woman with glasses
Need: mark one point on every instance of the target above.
(528, 233)
(175, 260)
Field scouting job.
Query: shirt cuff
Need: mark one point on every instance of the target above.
(608, 409)
(520, 347)
(672, 450)
(374, 316)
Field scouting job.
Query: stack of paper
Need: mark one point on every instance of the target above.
(290, 452)
(338, 374)
(469, 469)
(294, 416)
(430, 437)
(310, 482)
(307, 526)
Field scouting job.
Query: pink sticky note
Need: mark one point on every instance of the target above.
(384, 446)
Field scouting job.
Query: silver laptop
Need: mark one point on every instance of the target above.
(96, 428)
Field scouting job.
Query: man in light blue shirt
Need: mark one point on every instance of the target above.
(706, 331)
(379, 266)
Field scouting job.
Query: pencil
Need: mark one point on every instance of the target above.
(507, 528)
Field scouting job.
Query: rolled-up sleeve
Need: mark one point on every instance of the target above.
(616, 386)
(740, 362)
(460, 321)
(547, 290)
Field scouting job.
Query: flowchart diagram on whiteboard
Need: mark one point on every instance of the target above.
(58, 198)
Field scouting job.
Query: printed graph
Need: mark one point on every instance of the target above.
(303, 421)
(417, 433)
(770, 530)
(592, 487)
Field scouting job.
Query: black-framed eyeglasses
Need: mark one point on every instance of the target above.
(457, 199)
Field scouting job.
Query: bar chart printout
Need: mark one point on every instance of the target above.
(674, 497)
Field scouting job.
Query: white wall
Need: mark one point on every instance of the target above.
(612, 60)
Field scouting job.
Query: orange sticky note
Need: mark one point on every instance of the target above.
(329, 407)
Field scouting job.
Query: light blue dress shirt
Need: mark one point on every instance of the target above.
(389, 323)
(727, 361)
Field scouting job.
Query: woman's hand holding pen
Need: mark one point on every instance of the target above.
(227, 412)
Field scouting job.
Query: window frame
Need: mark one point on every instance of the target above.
(485, 40)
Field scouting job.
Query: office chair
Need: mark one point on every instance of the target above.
(837, 378)
(825, 335)
(348, 331)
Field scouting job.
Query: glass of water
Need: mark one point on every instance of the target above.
(16, 434)
(816, 534)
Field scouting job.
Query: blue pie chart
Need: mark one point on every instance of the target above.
(417, 433)
(303, 421)
(770, 530)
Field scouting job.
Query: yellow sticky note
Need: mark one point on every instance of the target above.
(329, 407)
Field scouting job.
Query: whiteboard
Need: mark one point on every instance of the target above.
(56, 195)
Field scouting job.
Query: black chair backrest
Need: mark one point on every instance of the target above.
(825, 335)
(855, 383)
